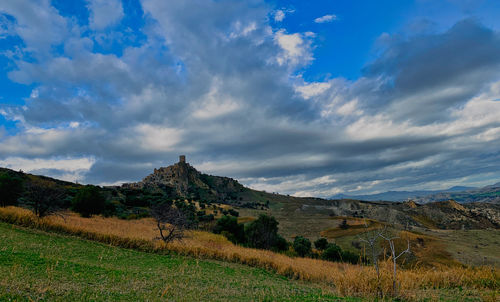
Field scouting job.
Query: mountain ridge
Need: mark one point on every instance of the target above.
(461, 194)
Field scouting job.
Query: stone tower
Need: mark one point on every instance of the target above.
(182, 159)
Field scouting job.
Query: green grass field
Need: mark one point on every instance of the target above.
(36, 266)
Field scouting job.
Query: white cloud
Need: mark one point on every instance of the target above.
(38, 24)
(70, 169)
(279, 15)
(310, 90)
(326, 19)
(104, 13)
(153, 137)
(296, 49)
(349, 108)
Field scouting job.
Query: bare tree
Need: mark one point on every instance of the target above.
(390, 240)
(43, 196)
(170, 221)
(372, 239)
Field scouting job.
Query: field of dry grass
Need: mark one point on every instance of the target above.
(348, 280)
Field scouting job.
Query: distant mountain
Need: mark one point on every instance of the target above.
(399, 195)
(489, 194)
(461, 194)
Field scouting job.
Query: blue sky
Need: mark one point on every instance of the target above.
(298, 97)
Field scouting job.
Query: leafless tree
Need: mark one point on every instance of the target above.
(44, 197)
(170, 221)
(371, 238)
(390, 240)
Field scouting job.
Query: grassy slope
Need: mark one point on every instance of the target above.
(36, 265)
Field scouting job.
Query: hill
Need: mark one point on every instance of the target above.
(181, 180)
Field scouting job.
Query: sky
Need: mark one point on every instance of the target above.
(308, 98)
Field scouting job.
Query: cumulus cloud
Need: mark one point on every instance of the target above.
(104, 13)
(296, 48)
(214, 80)
(326, 19)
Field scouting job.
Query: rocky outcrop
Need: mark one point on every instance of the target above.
(183, 180)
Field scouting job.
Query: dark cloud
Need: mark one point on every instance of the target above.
(431, 73)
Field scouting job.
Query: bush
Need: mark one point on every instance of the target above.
(321, 243)
(281, 244)
(302, 246)
(344, 225)
(11, 188)
(332, 252)
(350, 257)
(233, 213)
(231, 229)
(263, 233)
(189, 212)
(206, 218)
(89, 201)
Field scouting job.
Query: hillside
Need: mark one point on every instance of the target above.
(35, 265)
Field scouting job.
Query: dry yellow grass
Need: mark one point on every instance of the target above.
(348, 280)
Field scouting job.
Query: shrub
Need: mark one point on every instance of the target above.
(321, 243)
(233, 213)
(11, 188)
(332, 252)
(206, 218)
(302, 246)
(189, 212)
(231, 229)
(281, 244)
(350, 257)
(89, 201)
(344, 225)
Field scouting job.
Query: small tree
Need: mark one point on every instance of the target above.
(89, 201)
(372, 239)
(11, 188)
(302, 246)
(171, 222)
(390, 240)
(43, 196)
(263, 233)
(321, 243)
